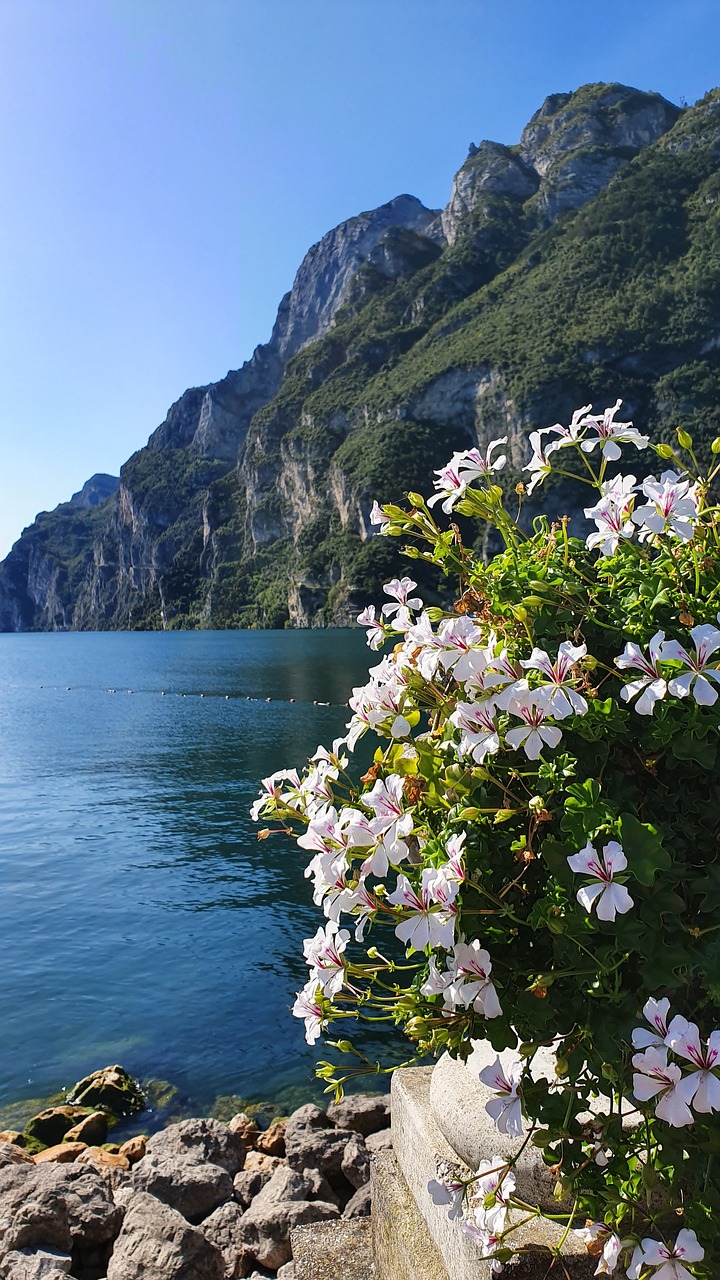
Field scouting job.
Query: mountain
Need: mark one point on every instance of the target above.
(579, 265)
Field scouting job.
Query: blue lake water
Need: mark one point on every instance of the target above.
(141, 921)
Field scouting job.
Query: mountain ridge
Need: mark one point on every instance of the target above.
(408, 332)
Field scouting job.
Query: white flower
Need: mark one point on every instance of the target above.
(668, 1258)
(672, 509)
(376, 630)
(323, 953)
(399, 590)
(460, 643)
(556, 695)
(538, 464)
(612, 515)
(696, 679)
(612, 899)
(307, 1006)
(360, 903)
(479, 732)
(598, 1233)
(472, 465)
(655, 1076)
(487, 1241)
(610, 432)
(272, 792)
(505, 1108)
(535, 734)
(377, 516)
(427, 924)
(656, 1012)
(652, 679)
(472, 985)
(493, 1178)
(450, 484)
(683, 1038)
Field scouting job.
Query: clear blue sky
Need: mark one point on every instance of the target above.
(166, 163)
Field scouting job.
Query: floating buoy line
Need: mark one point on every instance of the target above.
(163, 693)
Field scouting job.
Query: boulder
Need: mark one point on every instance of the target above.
(51, 1125)
(65, 1207)
(110, 1089)
(156, 1241)
(322, 1149)
(265, 1227)
(320, 1188)
(248, 1183)
(202, 1140)
(101, 1158)
(380, 1141)
(307, 1117)
(10, 1154)
(62, 1153)
(359, 1205)
(35, 1264)
(134, 1149)
(272, 1141)
(364, 1112)
(258, 1162)
(356, 1162)
(245, 1126)
(287, 1272)
(92, 1129)
(187, 1183)
(222, 1229)
(13, 1136)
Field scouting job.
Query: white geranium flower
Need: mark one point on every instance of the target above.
(656, 1012)
(479, 732)
(672, 507)
(399, 591)
(473, 465)
(612, 515)
(472, 984)
(610, 899)
(683, 1038)
(655, 1077)
(307, 1006)
(535, 734)
(598, 1233)
(447, 1189)
(323, 954)
(668, 1259)
(450, 485)
(376, 631)
(377, 516)
(611, 434)
(505, 1108)
(556, 695)
(696, 679)
(428, 924)
(652, 681)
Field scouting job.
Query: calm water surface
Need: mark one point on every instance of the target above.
(141, 920)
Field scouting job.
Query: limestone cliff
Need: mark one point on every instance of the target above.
(578, 265)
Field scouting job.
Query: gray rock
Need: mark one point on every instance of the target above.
(287, 1272)
(306, 1118)
(356, 1161)
(248, 1183)
(55, 1206)
(363, 1112)
(185, 1182)
(322, 1149)
(265, 1227)
(222, 1230)
(380, 1141)
(35, 1264)
(10, 1154)
(320, 1188)
(156, 1243)
(360, 1205)
(200, 1140)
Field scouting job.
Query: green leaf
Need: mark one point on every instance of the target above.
(643, 849)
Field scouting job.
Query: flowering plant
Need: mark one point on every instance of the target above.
(539, 828)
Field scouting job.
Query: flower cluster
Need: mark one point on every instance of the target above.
(537, 830)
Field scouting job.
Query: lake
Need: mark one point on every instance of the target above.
(142, 921)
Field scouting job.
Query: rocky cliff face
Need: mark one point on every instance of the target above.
(407, 333)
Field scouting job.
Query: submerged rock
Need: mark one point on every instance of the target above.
(110, 1089)
(51, 1126)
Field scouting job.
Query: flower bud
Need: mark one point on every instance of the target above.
(345, 1046)
(416, 499)
(684, 439)
(664, 451)
(715, 446)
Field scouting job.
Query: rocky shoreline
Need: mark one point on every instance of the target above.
(198, 1200)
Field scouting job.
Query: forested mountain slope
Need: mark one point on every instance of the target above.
(581, 265)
